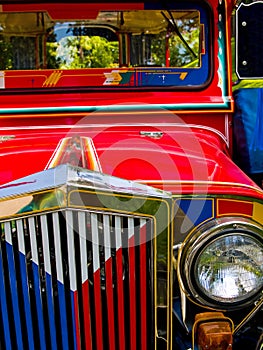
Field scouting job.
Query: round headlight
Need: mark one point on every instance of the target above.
(222, 265)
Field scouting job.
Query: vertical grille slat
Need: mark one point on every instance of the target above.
(77, 280)
(60, 282)
(132, 282)
(48, 280)
(83, 237)
(37, 283)
(120, 291)
(96, 279)
(72, 279)
(143, 285)
(24, 279)
(3, 300)
(109, 282)
(13, 285)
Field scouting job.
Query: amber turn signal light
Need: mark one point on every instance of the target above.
(213, 331)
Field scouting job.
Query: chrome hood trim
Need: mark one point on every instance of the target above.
(62, 179)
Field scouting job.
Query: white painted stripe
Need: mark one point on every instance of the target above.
(130, 227)
(83, 246)
(56, 230)
(71, 251)
(107, 243)
(142, 222)
(2, 75)
(33, 240)
(8, 233)
(102, 126)
(45, 242)
(21, 236)
(95, 242)
(118, 232)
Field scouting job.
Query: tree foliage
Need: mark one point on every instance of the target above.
(87, 52)
(180, 54)
(6, 53)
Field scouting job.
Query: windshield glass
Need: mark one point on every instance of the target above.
(129, 47)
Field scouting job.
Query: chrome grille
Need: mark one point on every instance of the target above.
(76, 280)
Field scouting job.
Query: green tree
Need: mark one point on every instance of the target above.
(87, 52)
(180, 54)
(6, 53)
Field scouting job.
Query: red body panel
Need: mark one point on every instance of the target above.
(162, 154)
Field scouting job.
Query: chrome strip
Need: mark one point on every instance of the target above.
(130, 227)
(37, 282)
(25, 284)
(71, 251)
(8, 234)
(14, 292)
(45, 242)
(82, 244)
(33, 240)
(118, 232)
(95, 242)
(20, 236)
(60, 279)
(48, 280)
(107, 242)
(69, 175)
(57, 243)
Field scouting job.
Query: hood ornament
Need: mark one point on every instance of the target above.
(76, 150)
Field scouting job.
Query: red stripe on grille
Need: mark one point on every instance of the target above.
(110, 303)
(98, 313)
(119, 269)
(143, 287)
(86, 308)
(76, 307)
(132, 284)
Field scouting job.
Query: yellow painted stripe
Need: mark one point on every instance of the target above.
(258, 212)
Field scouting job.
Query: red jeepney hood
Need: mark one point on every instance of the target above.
(170, 154)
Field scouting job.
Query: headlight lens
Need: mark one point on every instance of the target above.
(223, 265)
(230, 268)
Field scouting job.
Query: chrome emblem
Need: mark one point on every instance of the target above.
(152, 134)
(4, 138)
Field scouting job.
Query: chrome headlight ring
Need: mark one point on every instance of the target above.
(221, 263)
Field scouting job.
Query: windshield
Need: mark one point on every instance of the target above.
(129, 47)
